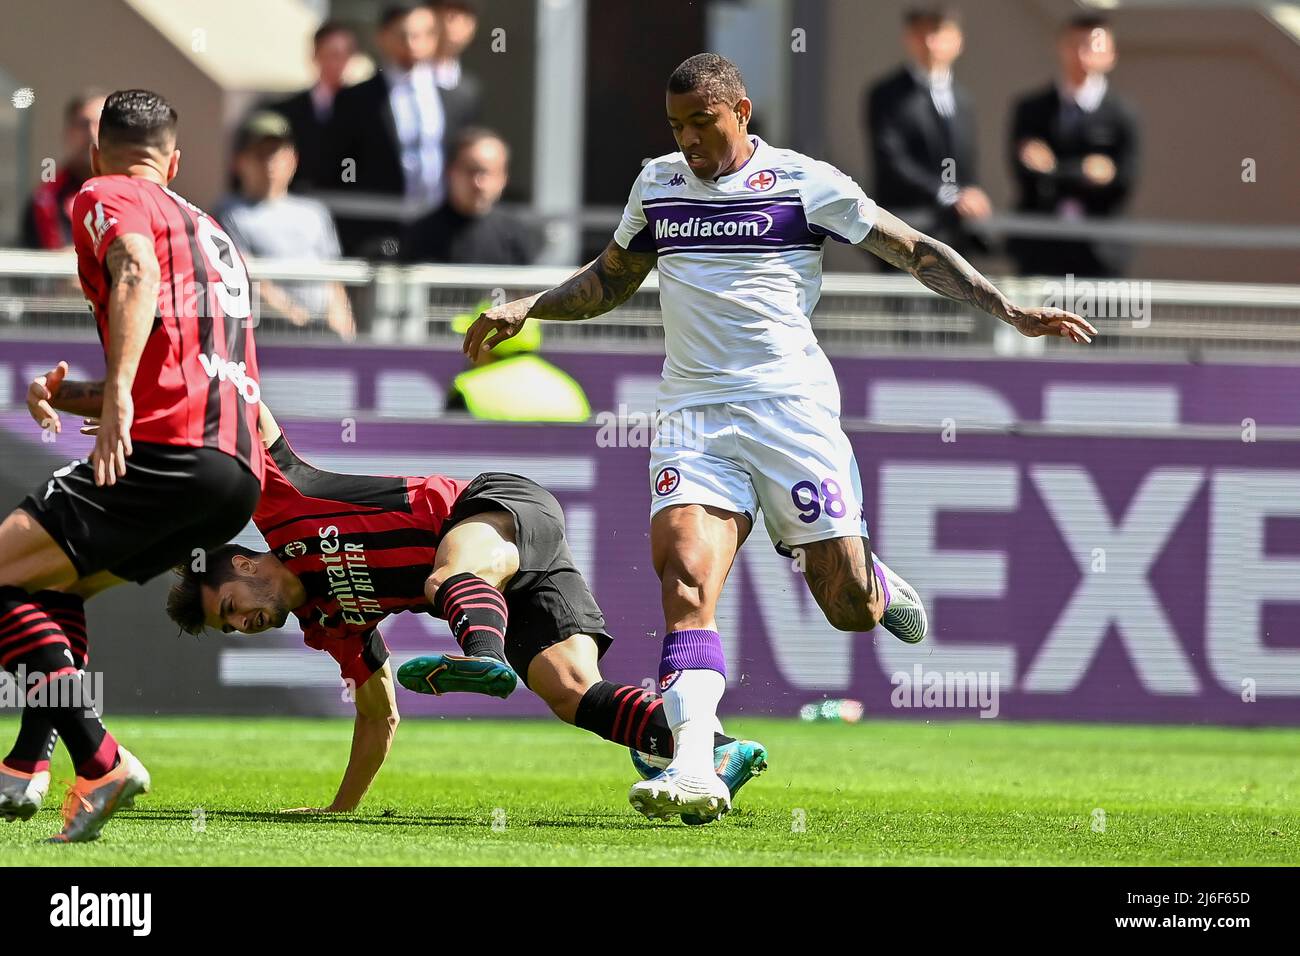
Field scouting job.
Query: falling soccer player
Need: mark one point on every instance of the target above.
(749, 404)
(488, 556)
(176, 464)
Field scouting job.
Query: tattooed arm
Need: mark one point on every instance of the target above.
(939, 268)
(595, 289)
(53, 390)
(133, 300)
(80, 398)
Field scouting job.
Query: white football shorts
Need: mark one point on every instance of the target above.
(787, 457)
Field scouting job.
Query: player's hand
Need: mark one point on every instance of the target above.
(90, 426)
(495, 326)
(40, 395)
(113, 439)
(1048, 321)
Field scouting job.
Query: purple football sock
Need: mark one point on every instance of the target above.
(691, 650)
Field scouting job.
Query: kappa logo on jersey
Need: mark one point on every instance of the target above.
(666, 481)
(761, 181)
(677, 180)
(295, 549)
(235, 373)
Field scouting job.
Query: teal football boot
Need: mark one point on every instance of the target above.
(452, 674)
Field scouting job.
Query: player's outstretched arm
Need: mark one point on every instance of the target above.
(937, 267)
(132, 301)
(602, 285)
(372, 736)
(54, 390)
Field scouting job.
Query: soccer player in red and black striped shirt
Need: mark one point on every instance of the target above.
(177, 463)
(488, 556)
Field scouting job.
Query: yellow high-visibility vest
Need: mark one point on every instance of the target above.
(523, 388)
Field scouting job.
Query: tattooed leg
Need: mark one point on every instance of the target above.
(844, 583)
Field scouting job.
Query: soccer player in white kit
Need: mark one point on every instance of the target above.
(749, 404)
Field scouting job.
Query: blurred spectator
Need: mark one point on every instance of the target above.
(308, 112)
(921, 132)
(469, 228)
(264, 220)
(386, 136)
(1075, 154)
(47, 222)
(512, 383)
(457, 24)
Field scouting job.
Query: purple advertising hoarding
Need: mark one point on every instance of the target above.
(1093, 578)
(336, 381)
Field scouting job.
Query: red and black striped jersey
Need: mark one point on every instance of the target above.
(197, 382)
(362, 546)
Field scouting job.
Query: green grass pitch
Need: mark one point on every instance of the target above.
(538, 792)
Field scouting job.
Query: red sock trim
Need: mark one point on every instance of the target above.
(102, 761)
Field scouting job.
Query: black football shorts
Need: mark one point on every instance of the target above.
(548, 599)
(171, 501)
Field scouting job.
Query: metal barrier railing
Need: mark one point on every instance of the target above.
(857, 313)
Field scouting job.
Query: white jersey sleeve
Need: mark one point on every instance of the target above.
(633, 221)
(835, 204)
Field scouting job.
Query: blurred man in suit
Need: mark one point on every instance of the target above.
(921, 133)
(457, 24)
(1074, 148)
(308, 112)
(386, 136)
(469, 228)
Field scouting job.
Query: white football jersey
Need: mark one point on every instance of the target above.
(740, 267)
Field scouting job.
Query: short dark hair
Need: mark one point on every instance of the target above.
(77, 103)
(470, 137)
(185, 599)
(327, 30)
(464, 6)
(935, 13)
(714, 77)
(398, 11)
(1087, 21)
(137, 118)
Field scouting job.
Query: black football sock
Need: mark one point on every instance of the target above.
(36, 735)
(631, 716)
(36, 740)
(69, 612)
(21, 625)
(476, 613)
(31, 639)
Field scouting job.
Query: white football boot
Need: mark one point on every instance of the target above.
(21, 794)
(676, 792)
(905, 617)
